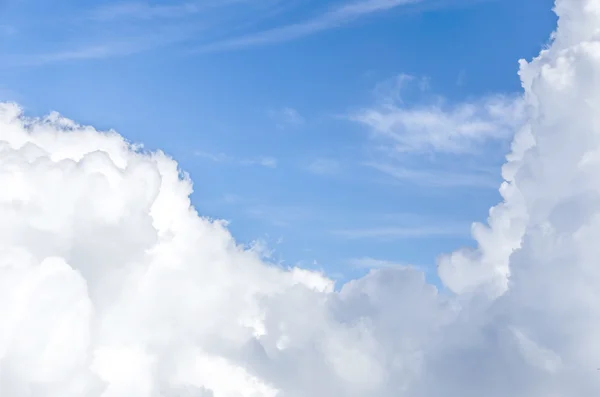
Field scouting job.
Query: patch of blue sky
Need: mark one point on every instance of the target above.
(346, 134)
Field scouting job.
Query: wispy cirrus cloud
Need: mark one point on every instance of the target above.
(333, 18)
(264, 161)
(459, 128)
(143, 11)
(115, 29)
(124, 28)
(402, 232)
(114, 43)
(437, 125)
(434, 142)
(436, 177)
(372, 263)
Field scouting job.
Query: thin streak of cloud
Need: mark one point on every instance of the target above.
(140, 10)
(462, 129)
(117, 29)
(331, 19)
(265, 161)
(269, 162)
(216, 157)
(372, 263)
(419, 143)
(369, 263)
(107, 48)
(92, 52)
(438, 178)
(402, 232)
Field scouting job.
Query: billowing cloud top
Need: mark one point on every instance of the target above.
(112, 285)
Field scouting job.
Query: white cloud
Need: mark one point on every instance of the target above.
(111, 285)
(390, 92)
(401, 232)
(123, 28)
(269, 162)
(372, 263)
(141, 10)
(144, 10)
(216, 157)
(426, 144)
(457, 129)
(334, 18)
(113, 29)
(435, 177)
(106, 47)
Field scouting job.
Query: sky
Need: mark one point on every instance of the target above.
(330, 236)
(342, 135)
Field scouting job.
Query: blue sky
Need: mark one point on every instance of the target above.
(345, 134)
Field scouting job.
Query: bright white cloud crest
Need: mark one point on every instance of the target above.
(111, 285)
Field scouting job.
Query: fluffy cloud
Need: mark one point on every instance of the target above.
(112, 285)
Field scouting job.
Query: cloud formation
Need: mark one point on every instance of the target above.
(372, 263)
(144, 11)
(111, 284)
(436, 178)
(420, 141)
(269, 162)
(117, 28)
(455, 129)
(333, 18)
(401, 233)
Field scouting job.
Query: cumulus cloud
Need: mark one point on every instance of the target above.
(112, 285)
